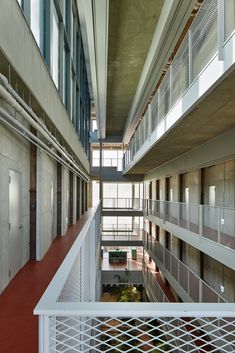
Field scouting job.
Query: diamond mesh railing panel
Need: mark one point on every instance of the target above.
(141, 334)
(154, 111)
(204, 31)
(164, 94)
(72, 290)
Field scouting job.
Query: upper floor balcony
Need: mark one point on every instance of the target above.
(186, 282)
(210, 229)
(196, 91)
(122, 206)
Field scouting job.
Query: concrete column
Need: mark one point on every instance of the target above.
(74, 198)
(89, 194)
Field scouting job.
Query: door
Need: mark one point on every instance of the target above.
(15, 222)
(53, 214)
(186, 197)
(212, 219)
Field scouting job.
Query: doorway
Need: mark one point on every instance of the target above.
(15, 222)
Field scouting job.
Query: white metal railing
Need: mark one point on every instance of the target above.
(70, 321)
(122, 232)
(137, 327)
(108, 162)
(211, 28)
(197, 289)
(123, 203)
(151, 285)
(212, 222)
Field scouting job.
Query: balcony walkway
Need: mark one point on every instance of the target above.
(18, 326)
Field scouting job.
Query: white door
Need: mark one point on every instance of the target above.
(186, 197)
(15, 223)
(212, 195)
(212, 217)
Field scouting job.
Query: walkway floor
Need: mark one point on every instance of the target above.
(18, 326)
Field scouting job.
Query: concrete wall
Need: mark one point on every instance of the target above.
(197, 170)
(19, 46)
(223, 177)
(14, 154)
(191, 257)
(46, 202)
(216, 274)
(191, 180)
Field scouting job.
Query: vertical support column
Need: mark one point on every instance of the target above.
(59, 206)
(86, 195)
(74, 198)
(38, 209)
(78, 198)
(82, 196)
(218, 222)
(190, 57)
(101, 181)
(201, 220)
(93, 270)
(33, 200)
(44, 334)
(221, 18)
(70, 198)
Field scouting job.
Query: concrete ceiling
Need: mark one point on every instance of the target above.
(131, 27)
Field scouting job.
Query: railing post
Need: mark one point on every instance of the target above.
(178, 213)
(190, 57)
(92, 250)
(219, 222)
(201, 220)
(44, 334)
(221, 22)
(200, 292)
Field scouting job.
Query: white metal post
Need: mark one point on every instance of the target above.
(221, 23)
(190, 57)
(44, 334)
(200, 219)
(92, 255)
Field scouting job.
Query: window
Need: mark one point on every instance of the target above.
(35, 19)
(20, 2)
(55, 47)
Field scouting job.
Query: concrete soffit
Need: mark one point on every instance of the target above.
(173, 18)
(93, 16)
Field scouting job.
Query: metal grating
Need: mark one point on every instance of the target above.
(164, 97)
(229, 23)
(204, 32)
(141, 334)
(180, 72)
(72, 290)
(154, 111)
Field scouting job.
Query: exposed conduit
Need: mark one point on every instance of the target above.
(11, 122)
(8, 94)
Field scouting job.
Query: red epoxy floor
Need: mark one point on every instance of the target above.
(18, 325)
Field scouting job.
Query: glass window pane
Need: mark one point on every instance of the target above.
(35, 18)
(55, 47)
(110, 190)
(125, 190)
